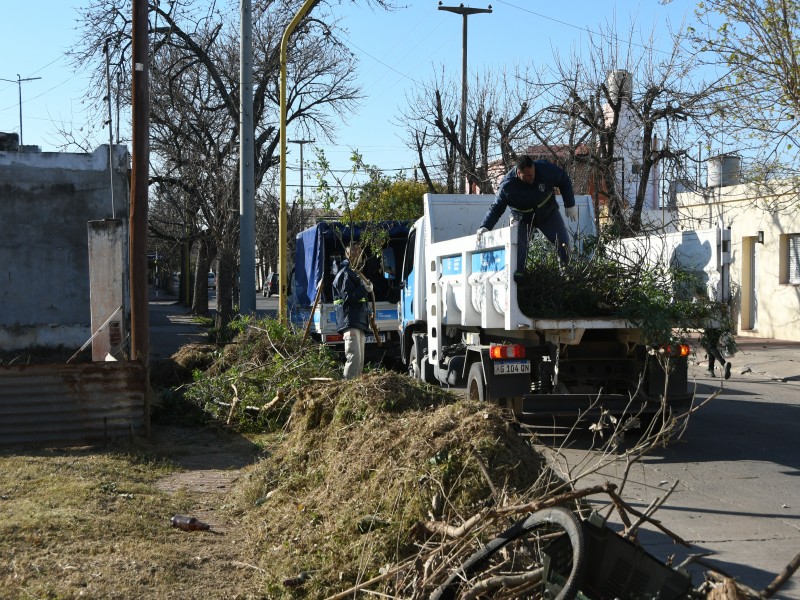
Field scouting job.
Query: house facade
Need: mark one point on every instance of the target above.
(764, 251)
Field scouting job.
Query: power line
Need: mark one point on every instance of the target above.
(578, 27)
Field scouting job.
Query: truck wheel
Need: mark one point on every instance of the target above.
(420, 372)
(476, 384)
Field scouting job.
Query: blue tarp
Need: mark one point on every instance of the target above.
(315, 244)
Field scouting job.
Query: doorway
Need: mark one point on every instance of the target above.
(750, 283)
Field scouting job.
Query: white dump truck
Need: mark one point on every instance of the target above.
(461, 323)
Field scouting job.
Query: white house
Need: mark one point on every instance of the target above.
(765, 246)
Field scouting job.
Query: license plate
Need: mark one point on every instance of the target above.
(370, 339)
(512, 367)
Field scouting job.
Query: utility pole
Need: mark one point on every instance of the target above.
(247, 202)
(140, 144)
(19, 83)
(302, 143)
(464, 11)
(110, 129)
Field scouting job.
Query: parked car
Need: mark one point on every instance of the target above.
(212, 280)
(271, 285)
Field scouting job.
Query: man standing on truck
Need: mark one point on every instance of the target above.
(352, 313)
(528, 189)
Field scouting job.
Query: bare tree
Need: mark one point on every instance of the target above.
(757, 41)
(194, 118)
(497, 111)
(623, 113)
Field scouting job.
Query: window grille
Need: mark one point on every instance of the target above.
(794, 258)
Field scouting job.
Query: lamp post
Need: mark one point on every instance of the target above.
(465, 12)
(19, 81)
(308, 5)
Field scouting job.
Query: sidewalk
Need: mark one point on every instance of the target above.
(770, 359)
(171, 325)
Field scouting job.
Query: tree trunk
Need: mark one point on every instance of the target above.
(226, 275)
(205, 254)
(185, 286)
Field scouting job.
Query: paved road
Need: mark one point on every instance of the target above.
(738, 467)
(265, 307)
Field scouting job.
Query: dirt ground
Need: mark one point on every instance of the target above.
(211, 462)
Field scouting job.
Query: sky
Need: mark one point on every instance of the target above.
(397, 51)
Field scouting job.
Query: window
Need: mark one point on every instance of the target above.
(793, 258)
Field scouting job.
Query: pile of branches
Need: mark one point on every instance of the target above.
(604, 281)
(252, 381)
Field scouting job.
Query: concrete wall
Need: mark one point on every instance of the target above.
(46, 201)
(765, 304)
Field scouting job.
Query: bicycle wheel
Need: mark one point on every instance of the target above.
(536, 544)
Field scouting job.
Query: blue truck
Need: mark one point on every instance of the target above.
(318, 252)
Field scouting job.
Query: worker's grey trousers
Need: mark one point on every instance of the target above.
(353, 352)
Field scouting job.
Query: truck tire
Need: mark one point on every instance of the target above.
(476, 383)
(413, 362)
(416, 370)
(543, 522)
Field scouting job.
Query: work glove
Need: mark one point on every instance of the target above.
(572, 213)
(480, 232)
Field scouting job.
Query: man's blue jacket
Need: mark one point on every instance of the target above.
(527, 201)
(350, 300)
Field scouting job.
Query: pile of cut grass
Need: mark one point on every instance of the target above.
(362, 463)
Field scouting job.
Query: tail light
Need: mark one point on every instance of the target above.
(497, 351)
(675, 350)
(333, 338)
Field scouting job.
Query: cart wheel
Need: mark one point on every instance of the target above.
(525, 545)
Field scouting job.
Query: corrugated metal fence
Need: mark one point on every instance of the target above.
(69, 404)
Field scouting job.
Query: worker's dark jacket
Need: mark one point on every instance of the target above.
(350, 300)
(527, 202)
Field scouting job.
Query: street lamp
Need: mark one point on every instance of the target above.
(19, 81)
(308, 5)
(464, 11)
